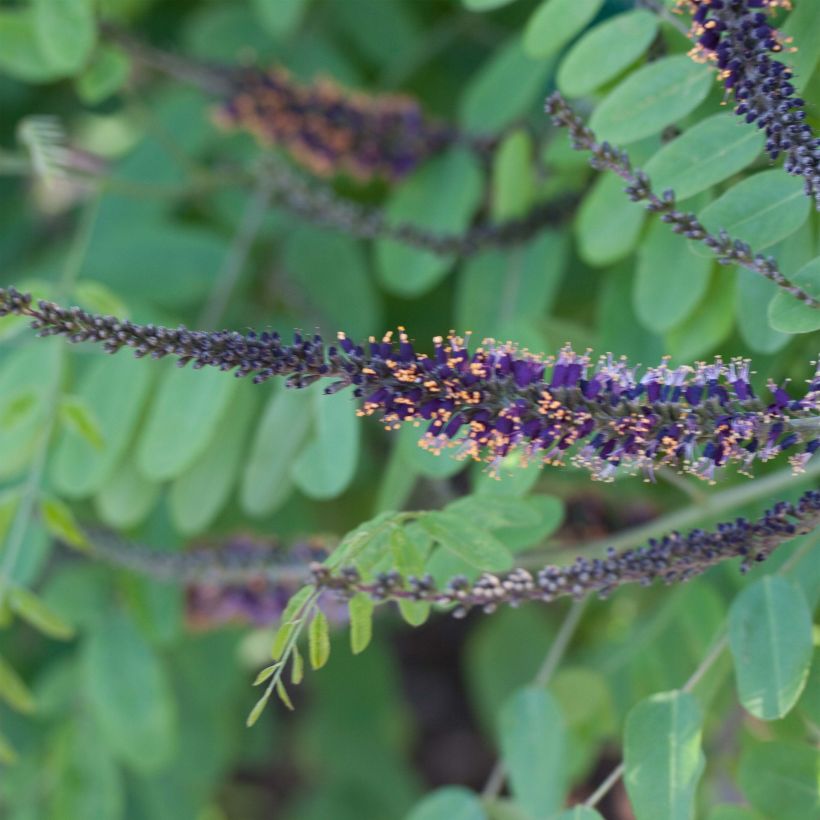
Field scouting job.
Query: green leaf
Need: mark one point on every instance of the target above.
(318, 640)
(327, 464)
(126, 497)
(199, 494)
(361, 540)
(555, 22)
(788, 314)
(493, 512)
(781, 780)
(441, 197)
(360, 607)
(730, 811)
(498, 292)
(115, 388)
(761, 210)
(649, 99)
(770, 635)
(424, 462)
(265, 674)
(20, 52)
(280, 18)
(505, 88)
(449, 803)
(409, 558)
(513, 177)
(532, 737)
(104, 76)
(13, 691)
(605, 51)
(809, 703)
(669, 281)
(754, 295)
(607, 224)
(258, 708)
(60, 522)
(183, 420)
(130, 695)
(38, 614)
(709, 152)
(466, 540)
(292, 616)
(282, 694)
(86, 780)
(19, 409)
(711, 321)
(306, 255)
(579, 813)
(663, 756)
(297, 666)
(803, 26)
(278, 437)
(76, 414)
(66, 31)
(549, 511)
(485, 5)
(7, 754)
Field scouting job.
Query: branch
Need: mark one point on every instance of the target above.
(639, 188)
(674, 558)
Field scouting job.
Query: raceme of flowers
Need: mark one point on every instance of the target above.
(673, 558)
(737, 36)
(728, 250)
(600, 415)
(330, 129)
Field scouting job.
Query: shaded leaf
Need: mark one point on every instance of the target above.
(39, 614)
(465, 540)
(555, 22)
(449, 803)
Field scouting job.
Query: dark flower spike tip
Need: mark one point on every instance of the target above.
(737, 36)
(329, 129)
(729, 251)
(600, 414)
(671, 559)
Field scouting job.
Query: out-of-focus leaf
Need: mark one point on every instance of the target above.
(199, 494)
(87, 781)
(485, 5)
(328, 288)
(711, 321)
(555, 22)
(467, 541)
(761, 210)
(731, 812)
(20, 52)
(292, 616)
(130, 695)
(709, 152)
(183, 420)
(579, 813)
(60, 522)
(115, 388)
(278, 437)
(492, 512)
(754, 295)
(531, 733)
(126, 497)
(423, 461)
(449, 803)
(607, 225)
(790, 315)
(656, 95)
(104, 75)
(327, 463)
(497, 291)
(319, 640)
(279, 17)
(803, 26)
(809, 703)
(503, 89)
(771, 642)
(606, 50)
(65, 31)
(442, 197)
(663, 756)
(39, 614)
(360, 607)
(79, 417)
(13, 690)
(512, 176)
(670, 280)
(780, 780)
(8, 755)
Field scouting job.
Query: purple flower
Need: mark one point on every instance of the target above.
(736, 35)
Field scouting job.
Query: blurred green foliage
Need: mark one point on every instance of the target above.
(111, 704)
